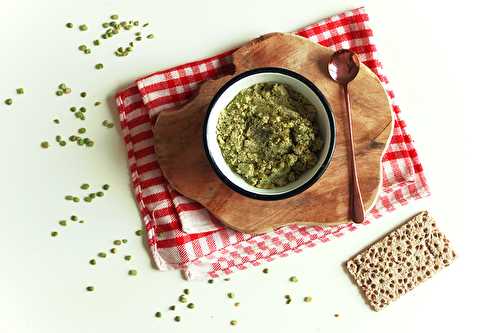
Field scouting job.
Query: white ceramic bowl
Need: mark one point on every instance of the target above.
(227, 93)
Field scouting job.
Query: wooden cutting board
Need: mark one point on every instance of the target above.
(178, 142)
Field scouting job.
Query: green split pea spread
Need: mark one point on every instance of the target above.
(268, 135)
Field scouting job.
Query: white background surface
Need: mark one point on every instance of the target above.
(431, 52)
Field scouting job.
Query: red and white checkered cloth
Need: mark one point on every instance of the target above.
(181, 233)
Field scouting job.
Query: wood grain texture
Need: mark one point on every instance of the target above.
(178, 142)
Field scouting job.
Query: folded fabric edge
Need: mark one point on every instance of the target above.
(203, 267)
(160, 263)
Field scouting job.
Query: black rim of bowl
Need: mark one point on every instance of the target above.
(323, 166)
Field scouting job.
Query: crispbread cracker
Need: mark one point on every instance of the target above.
(401, 260)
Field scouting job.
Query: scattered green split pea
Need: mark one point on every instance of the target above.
(294, 279)
(158, 314)
(132, 272)
(20, 91)
(190, 306)
(54, 233)
(307, 299)
(90, 288)
(44, 145)
(183, 299)
(92, 261)
(84, 186)
(177, 318)
(82, 27)
(107, 124)
(233, 322)
(102, 254)
(127, 257)
(74, 218)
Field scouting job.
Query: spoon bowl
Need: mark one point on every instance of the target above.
(343, 66)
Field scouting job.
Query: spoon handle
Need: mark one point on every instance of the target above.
(357, 209)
